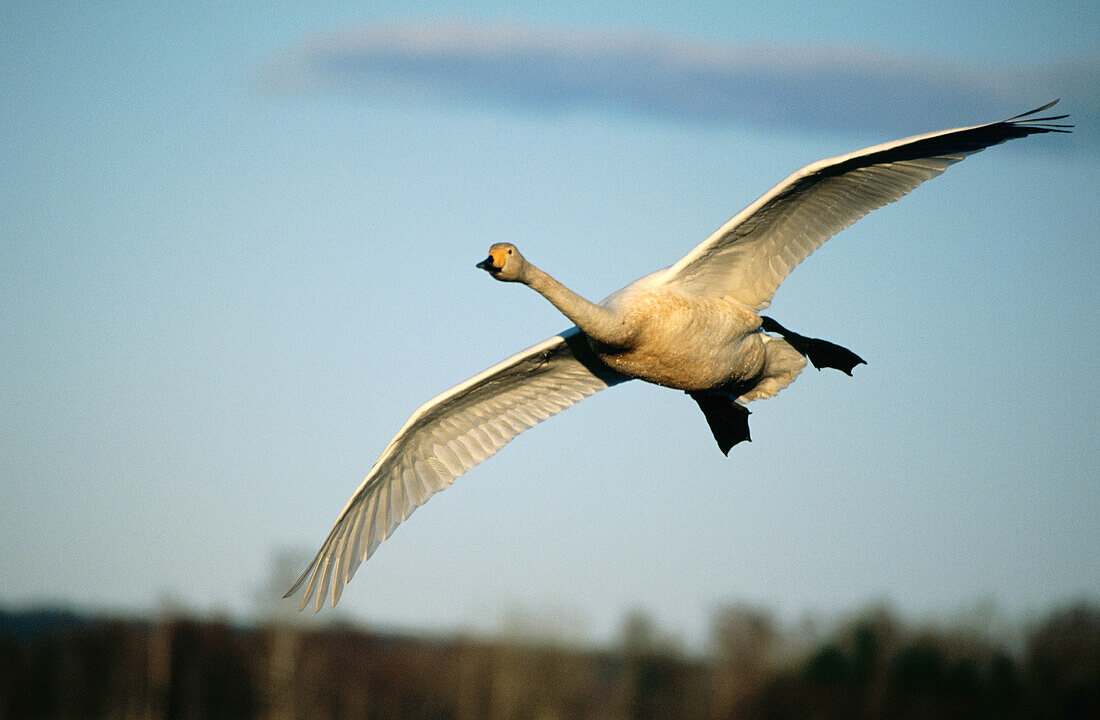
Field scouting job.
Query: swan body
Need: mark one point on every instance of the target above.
(694, 326)
(681, 341)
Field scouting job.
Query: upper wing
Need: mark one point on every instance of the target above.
(747, 258)
(447, 436)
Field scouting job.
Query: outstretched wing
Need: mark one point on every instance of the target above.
(444, 438)
(747, 258)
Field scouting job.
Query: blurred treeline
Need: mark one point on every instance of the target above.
(62, 665)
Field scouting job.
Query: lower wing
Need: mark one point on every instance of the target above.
(444, 438)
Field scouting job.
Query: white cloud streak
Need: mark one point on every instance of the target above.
(546, 70)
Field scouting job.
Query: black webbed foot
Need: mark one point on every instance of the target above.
(728, 419)
(822, 353)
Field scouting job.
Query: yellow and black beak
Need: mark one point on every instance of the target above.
(488, 264)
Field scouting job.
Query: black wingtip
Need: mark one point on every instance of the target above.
(1040, 124)
(1049, 105)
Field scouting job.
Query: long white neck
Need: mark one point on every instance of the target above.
(602, 324)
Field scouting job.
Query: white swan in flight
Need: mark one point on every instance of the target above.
(693, 326)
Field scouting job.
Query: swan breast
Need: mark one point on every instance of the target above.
(685, 342)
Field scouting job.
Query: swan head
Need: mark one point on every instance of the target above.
(504, 263)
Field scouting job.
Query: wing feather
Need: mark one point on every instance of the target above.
(748, 257)
(446, 437)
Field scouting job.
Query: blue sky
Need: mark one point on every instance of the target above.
(238, 243)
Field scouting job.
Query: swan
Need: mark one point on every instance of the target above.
(694, 326)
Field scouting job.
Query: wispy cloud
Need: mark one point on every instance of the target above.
(678, 80)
